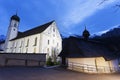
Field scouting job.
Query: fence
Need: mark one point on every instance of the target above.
(91, 68)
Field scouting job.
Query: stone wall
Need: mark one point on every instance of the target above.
(22, 59)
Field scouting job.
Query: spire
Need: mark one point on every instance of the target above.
(16, 11)
(85, 27)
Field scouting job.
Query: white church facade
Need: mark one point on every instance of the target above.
(42, 39)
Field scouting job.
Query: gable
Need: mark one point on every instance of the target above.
(33, 31)
(52, 30)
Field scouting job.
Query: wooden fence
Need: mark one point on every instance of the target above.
(91, 68)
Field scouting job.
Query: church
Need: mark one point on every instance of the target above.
(41, 39)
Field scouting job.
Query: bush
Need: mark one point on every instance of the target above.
(49, 62)
(56, 63)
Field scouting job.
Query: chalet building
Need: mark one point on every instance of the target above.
(41, 39)
(84, 55)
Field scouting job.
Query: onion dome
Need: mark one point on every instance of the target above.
(15, 17)
(86, 34)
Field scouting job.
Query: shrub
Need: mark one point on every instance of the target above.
(49, 62)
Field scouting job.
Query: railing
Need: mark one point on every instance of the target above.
(91, 68)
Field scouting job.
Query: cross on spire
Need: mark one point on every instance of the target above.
(16, 11)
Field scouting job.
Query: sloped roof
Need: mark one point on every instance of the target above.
(80, 48)
(35, 30)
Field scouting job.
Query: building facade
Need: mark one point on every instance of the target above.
(41, 39)
(88, 55)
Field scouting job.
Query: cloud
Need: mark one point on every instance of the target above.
(78, 10)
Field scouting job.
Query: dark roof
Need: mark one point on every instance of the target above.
(80, 48)
(35, 30)
(15, 17)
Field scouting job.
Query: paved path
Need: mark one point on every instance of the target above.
(27, 73)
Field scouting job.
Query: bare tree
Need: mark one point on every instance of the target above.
(117, 5)
(103, 1)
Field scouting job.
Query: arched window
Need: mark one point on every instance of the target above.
(27, 43)
(53, 29)
(35, 41)
(48, 42)
(15, 25)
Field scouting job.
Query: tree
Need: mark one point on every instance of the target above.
(117, 5)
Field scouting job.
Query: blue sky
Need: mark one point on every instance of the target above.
(71, 16)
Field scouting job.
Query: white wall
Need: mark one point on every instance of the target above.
(82, 64)
(93, 65)
(48, 41)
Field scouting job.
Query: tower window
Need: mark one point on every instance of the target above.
(15, 25)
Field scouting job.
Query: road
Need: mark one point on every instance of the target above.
(37, 73)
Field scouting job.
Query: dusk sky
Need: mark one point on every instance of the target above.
(71, 16)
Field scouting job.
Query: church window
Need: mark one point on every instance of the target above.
(27, 43)
(48, 42)
(35, 41)
(53, 29)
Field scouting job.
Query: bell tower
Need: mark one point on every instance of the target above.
(86, 34)
(12, 29)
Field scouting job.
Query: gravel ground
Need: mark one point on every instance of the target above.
(35, 73)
